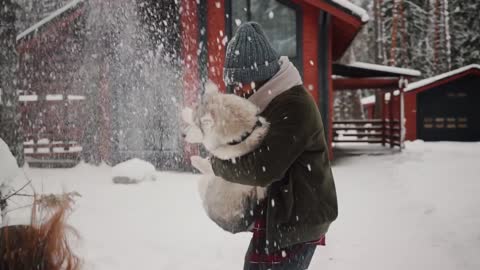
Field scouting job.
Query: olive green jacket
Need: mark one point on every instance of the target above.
(293, 163)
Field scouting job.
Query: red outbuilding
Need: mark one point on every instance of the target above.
(444, 107)
(440, 108)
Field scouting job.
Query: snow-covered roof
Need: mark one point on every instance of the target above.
(55, 97)
(53, 15)
(356, 10)
(371, 99)
(27, 98)
(427, 81)
(396, 70)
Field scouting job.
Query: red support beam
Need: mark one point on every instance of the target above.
(216, 41)
(310, 50)
(364, 83)
(384, 117)
(330, 91)
(349, 24)
(390, 120)
(191, 78)
(190, 43)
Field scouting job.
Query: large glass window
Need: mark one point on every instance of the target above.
(279, 22)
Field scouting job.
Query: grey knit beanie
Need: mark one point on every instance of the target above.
(249, 56)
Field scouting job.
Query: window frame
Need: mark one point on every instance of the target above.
(298, 59)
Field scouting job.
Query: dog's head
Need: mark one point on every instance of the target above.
(218, 119)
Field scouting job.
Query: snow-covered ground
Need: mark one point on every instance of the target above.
(418, 209)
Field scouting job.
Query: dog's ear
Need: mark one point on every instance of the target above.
(211, 88)
(187, 115)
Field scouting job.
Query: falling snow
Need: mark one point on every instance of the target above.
(128, 48)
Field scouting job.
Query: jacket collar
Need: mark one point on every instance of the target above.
(286, 78)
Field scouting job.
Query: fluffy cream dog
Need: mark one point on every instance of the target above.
(229, 127)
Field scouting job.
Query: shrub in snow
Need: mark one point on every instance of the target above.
(133, 171)
(8, 165)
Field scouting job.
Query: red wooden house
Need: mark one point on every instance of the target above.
(313, 33)
(52, 111)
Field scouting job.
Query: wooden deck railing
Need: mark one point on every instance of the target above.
(377, 131)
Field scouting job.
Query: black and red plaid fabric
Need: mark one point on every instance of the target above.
(258, 252)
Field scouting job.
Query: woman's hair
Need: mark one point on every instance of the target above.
(42, 245)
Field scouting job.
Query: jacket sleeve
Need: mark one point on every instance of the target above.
(285, 142)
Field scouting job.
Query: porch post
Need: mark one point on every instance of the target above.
(403, 82)
(384, 117)
(391, 122)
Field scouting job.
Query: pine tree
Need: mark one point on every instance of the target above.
(9, 116)
(465, 32)
(419, 43)
(347, 104)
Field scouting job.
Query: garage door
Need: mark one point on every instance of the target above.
(450, 113)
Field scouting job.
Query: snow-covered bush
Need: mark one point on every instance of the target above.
(133, 171)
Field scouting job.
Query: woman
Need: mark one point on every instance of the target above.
(292, 161)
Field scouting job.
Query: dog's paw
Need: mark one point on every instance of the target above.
(201, 164)
(187, 115)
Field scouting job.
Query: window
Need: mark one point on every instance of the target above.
(279, 21)
(462, 122)
(427, 122)
(456, 94)
(448, 122)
